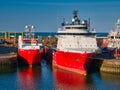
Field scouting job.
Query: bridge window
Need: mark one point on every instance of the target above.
(76, 27)
(117, 37)
(112, 37)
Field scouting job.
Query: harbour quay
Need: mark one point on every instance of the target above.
(10, 35)
(106, 63)
(111, 66)
(10, 38)
(8, 62)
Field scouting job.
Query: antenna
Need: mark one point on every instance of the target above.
(88, 24)
(32, 31)
(63, 23)
(29, 31)
(75, 17)
(75, 12)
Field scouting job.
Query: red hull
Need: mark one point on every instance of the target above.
(30, 57)
(76, 62)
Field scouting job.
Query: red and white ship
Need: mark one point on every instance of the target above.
(112, 43)
(75, 47)
(29, 48)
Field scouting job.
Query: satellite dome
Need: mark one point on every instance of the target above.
(73, 20)
(32, 27)
(26, 26)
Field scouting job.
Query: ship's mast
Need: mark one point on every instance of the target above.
(118, 26)
(29, 32)
(75, 17)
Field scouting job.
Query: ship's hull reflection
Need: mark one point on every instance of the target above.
(65, 80)
(28, 77)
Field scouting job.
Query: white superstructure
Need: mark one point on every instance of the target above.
(29, 41)
(114, 36)
(76, 37)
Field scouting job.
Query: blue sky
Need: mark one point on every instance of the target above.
(47, 15)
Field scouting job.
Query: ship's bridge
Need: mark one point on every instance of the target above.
(73, 29)
(79, 27)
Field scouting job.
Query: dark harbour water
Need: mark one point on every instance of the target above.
(46, 77)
